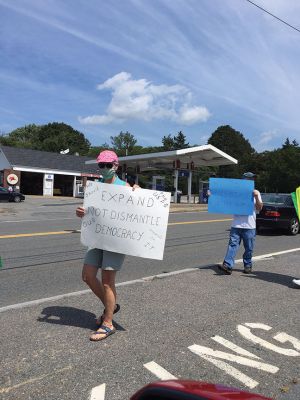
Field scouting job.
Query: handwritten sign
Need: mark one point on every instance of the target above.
(296, 200)
(231, 196)
(124, 221)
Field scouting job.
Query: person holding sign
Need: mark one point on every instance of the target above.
(243, 227)
(108, 261)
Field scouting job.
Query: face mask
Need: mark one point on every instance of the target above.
(107, 173)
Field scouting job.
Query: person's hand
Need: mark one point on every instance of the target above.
(135, 186)
(255, 193)
(80, 211)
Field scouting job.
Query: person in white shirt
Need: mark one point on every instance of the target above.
(243, 228)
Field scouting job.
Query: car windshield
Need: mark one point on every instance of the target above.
(276, 199)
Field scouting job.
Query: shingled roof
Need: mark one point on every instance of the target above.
(18, 157)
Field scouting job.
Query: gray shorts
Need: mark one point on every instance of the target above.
(107, 260)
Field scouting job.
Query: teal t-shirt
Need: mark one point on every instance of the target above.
(117, 181)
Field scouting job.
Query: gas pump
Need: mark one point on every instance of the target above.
(79, 190)
(158, 183)
(203, 188)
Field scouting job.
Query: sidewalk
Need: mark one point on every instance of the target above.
(185, 207)
(161, 317)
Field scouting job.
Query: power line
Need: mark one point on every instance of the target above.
(279, 19)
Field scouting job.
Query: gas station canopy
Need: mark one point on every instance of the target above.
(175, 160)
(206, 155)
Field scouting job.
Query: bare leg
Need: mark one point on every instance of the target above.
(108, 282)
(110, 295)
(89, 276)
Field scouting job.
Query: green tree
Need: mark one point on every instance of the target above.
(168, 143)
(123, 143)
(51, 137)
(175, 143)
(59, 136)
(237, 146)
(95, 150)
(25, 137)
(280, 168)
(180, 141)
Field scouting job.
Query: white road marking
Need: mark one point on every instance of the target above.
(79, 293)
(87, 291)
(235, 373)
(234, 347)
(258, 325)
(246, 333)
(43, 300)
(283, 337)
(159, 371)
(207, 351)
(98, 392)
(275, 254)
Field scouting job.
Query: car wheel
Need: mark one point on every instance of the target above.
(294, 226)
(17, 199)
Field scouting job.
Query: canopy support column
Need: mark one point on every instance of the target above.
(175, 185)
(190, 187)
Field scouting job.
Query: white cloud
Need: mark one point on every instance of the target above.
(190, 115)
(267, 139)
(142, 100)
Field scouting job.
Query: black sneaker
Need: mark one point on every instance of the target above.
(247, 270)
(225, 269)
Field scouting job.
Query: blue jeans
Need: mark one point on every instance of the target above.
(236, 236)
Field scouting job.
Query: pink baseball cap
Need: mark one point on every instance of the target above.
(108, 156)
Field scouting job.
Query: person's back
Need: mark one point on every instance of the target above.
(246, 221)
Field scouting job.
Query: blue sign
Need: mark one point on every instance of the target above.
(183, 173)
(231, 196)
(160, 187)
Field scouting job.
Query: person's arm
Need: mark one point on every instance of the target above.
(258, 200)
(80, 211)
(135, 186)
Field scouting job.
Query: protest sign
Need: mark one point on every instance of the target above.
(124, 221)
(296, 200)
(231, 196)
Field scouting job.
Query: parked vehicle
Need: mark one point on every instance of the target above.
(6, 195)
(192, 390)
(278, 212)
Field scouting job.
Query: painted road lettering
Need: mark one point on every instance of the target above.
(159, 371)
(245, 331)
(221, 359)
(98, 392)
(247, 358)
(214, 357)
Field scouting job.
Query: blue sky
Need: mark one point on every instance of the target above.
(152, 67)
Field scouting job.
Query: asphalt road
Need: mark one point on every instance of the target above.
(174, 320)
